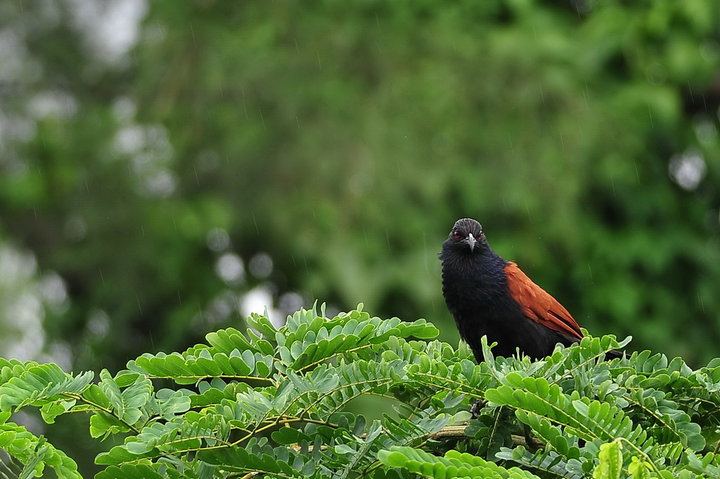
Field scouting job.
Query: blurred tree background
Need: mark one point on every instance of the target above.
(166, 167)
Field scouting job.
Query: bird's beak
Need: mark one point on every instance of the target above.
(470, 240)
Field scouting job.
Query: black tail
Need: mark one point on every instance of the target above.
(615, 354)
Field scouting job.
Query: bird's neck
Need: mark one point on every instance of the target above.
(484, 266)
(474, 286)
(491, 267)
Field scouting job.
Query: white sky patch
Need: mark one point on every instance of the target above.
(110, 27)
(98, 324)
(12, 55)
(124, 109)
(160, 183)
(258, 300)
(217, 240)
(27, 315)
(21, 307)
(230, 268)
(14, 128)
(129, 139)
(54, 103)
(220, 308)
(150, 153)
(59, 353)
(290, 302)
(687, 169)
(261, 265)
(54, 292)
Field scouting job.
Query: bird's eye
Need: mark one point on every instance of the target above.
(457, 235)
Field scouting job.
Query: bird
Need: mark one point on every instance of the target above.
(490, 296)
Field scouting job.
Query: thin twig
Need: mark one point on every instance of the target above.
(458, 432)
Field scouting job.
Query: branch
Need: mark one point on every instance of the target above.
(458, 432)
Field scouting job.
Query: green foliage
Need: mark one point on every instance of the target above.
(343, 139)
(277, 401)
(35, 453)
(454, 464)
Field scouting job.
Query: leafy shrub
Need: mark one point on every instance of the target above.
(275, 401)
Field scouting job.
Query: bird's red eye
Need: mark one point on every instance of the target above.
(457, 235)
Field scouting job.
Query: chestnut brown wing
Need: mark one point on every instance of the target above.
(538, 305)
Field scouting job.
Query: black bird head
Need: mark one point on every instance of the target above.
(466, 235)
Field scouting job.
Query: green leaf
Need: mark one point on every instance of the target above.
(611, 461)
(283, 406)
(112, 392)
(250, 459)
(453, 464)
(170, 403)
(40, 383)
(130, 471)
(118, 455)
(639, 469)
(35, 453)
(103, 424)
(134, 398)
(52, 410)
(228, 340)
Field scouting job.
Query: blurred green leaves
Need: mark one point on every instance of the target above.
(343, 140)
